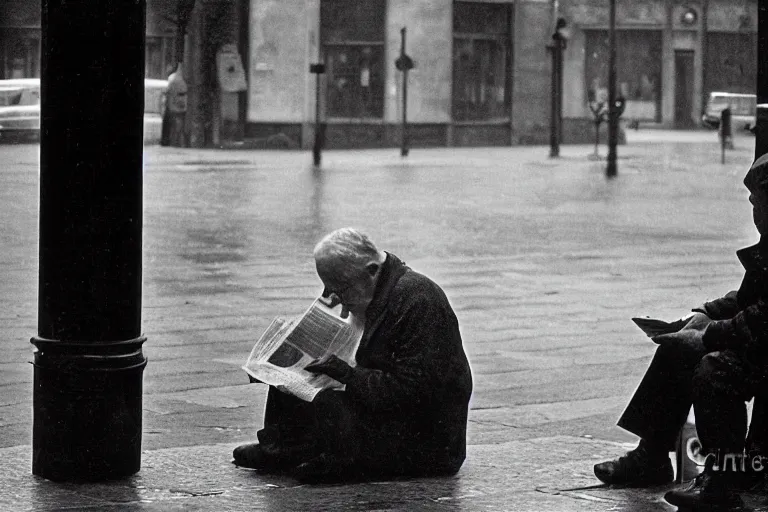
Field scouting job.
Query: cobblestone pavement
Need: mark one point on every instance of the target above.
(544, 261)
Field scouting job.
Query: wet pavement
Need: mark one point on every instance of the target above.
(544, 261)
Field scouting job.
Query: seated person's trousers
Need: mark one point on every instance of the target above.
(302, 430)
(716, 383)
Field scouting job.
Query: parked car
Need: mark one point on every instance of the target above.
(743, 110)
(20, 108)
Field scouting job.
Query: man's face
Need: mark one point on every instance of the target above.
(759, 200)
(353, 287)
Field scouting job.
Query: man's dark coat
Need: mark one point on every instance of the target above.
(741, 317)
(408, 396)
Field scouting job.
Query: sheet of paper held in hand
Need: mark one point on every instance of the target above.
(653, 327)
(287, 346)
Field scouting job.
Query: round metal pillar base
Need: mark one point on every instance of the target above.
(87, 409)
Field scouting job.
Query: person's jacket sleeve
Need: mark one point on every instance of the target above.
(722, 308)
(419, 360)
(747, 331)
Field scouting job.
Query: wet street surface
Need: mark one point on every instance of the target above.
(544, 261)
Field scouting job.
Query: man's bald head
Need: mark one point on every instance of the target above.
(348, 263)
(347, 250)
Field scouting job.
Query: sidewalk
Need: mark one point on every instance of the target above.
(515, 475)
(543, 260)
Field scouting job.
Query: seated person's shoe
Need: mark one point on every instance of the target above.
(263, 458)
(709, 491)
(638, 468)
(326, 469)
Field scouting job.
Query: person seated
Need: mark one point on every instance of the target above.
(404, 409)
(716, 362)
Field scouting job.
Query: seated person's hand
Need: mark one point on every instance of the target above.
(654, 327)
(698, 321)
(331, 366)
(333, 300)
(690, 334)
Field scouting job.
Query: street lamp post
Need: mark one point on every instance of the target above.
(613, 117)
(404, 64)
(556, 48)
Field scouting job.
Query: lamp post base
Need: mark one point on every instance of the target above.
(87, 421)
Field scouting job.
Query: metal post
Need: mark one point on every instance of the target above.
(317, 148)
(554, 130)
(560, 57)
(404, 147)
(613, 118)
(88, 359)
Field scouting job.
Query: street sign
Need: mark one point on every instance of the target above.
(317, 68)
(404, 62)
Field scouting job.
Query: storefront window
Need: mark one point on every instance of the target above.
(159, 53)
(638, 70)
(481, 55)
(352, 36)
(730, 65)
(19, 53)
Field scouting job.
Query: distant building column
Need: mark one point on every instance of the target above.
(761, 142)
(88, 361)
(214, 23)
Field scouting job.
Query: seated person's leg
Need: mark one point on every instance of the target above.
(757, 438)
(287, 438)
(656, 414)
(355, 445)
(721, 385)
(338, 433)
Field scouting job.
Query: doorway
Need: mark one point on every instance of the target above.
(684, 117)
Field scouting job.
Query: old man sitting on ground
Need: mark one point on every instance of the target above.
(404, 409)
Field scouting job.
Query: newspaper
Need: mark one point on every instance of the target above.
(654, 327)
(287, 346)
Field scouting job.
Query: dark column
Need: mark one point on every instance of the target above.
(88, 360)
(761, 130)
(244, 45)
(613, 116)
(554, 114)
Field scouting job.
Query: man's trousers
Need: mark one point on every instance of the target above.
(716, 383)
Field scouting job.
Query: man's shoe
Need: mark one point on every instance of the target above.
(638, 468)
(326, 469)
(708, 491)
(256, 456)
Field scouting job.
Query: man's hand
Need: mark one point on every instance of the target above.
(331, 366)
(690, 334)
(333, 300)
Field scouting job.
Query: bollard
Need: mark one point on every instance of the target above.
(318, 69)
(726, 134)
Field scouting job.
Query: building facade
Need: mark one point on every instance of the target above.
(670, 55)
(482, 71)
(480, 76)
(20, 39)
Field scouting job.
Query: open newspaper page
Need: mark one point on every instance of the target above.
(280, 355)
(654, 327)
